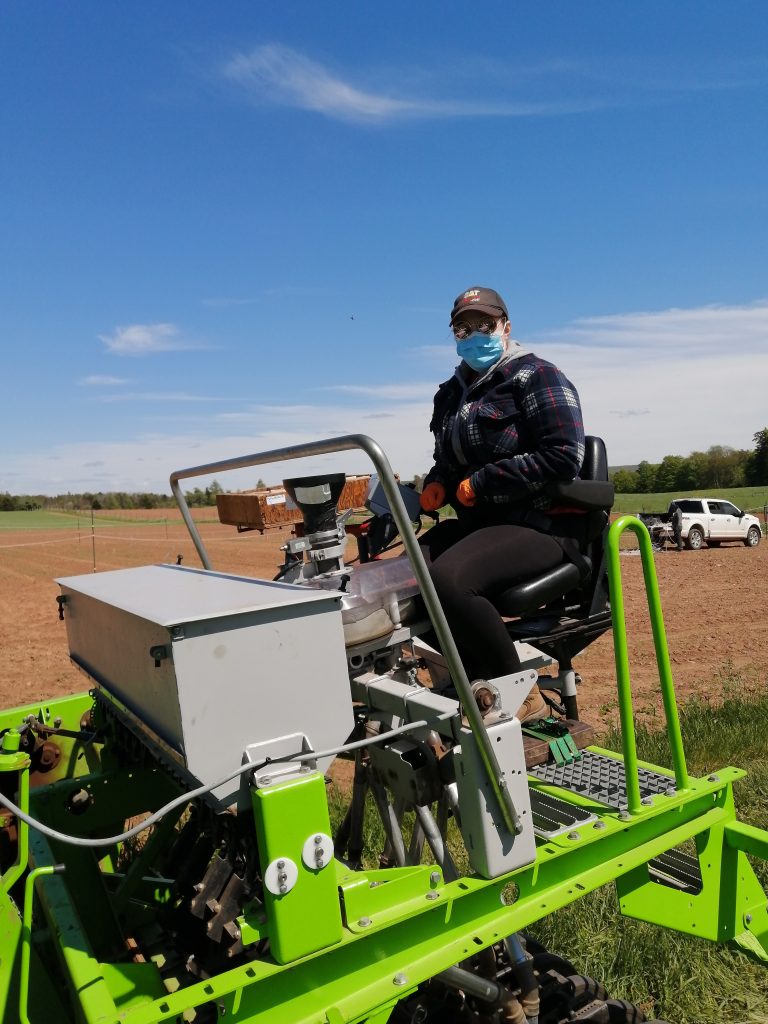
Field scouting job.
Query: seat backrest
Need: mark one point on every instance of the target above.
(591, 491)
(575, 583)
(595, 468)
(595, 465)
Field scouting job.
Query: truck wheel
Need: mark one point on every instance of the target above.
(753, 537)
(695, 538)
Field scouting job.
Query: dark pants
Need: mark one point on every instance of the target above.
(469, 567)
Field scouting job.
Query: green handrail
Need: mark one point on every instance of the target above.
(26, 935)
(14, 760)
(626, 713)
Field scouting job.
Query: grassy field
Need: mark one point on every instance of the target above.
(680, 979)
(669, 975)
(47, 519)
(41, 519)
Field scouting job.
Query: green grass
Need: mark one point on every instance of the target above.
(749, 499)
(42, 519)
(671, 976)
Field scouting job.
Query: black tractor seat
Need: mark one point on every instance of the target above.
(565, 609)
(543, 589)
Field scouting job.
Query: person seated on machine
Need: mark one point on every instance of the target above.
(506, 425)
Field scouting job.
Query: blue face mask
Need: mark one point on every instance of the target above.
(481, 350)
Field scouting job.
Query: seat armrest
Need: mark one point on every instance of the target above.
(591, 495)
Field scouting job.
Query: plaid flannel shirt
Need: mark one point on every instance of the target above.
(511, 431)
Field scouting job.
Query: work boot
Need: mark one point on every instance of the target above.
(533, 708)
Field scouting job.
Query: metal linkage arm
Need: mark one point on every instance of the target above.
(387, 478)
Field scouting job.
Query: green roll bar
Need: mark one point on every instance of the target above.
(626, 712)
(26, 935)
(12, 759)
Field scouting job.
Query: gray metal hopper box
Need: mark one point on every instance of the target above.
(209, 664)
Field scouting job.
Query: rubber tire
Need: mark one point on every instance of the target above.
(621, 1012)
(544, 961)
(754, 536)
(695, 539)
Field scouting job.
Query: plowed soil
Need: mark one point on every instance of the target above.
(714, 602)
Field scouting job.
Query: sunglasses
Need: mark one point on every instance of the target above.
(462, 330)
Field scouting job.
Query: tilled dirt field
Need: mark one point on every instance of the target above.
(715, 603)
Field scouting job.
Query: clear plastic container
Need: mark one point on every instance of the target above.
(377, 597)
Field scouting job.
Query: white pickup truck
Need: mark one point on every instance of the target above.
(705, 520)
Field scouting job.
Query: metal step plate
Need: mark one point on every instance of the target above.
(677, 870)
(602, 779)
(553, 816)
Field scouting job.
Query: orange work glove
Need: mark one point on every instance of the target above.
(432, 497)
(465, 494)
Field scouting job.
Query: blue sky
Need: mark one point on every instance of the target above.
(226, 227)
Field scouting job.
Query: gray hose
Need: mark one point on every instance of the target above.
(62, 837)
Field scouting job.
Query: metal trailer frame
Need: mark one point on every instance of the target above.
(57, 905)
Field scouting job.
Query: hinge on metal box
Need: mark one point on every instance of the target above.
(561, 743)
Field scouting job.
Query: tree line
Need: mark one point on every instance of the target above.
(719, 466)
(109, 500)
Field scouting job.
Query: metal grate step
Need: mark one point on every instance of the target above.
(553, 816)
(601, 778)
(677, 870)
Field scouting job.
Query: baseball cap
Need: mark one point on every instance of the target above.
(480, 300)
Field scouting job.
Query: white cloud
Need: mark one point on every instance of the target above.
(282, 76)
(96, 381)
(162, 396)
(691, 402)
(258, 412)
(398, 392)
(726, 330)
(145, 339)
(144, 463)
(669, 381)
(279, 75)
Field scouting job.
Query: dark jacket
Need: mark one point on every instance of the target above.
(511, 431)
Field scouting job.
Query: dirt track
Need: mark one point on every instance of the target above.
(714, 605)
